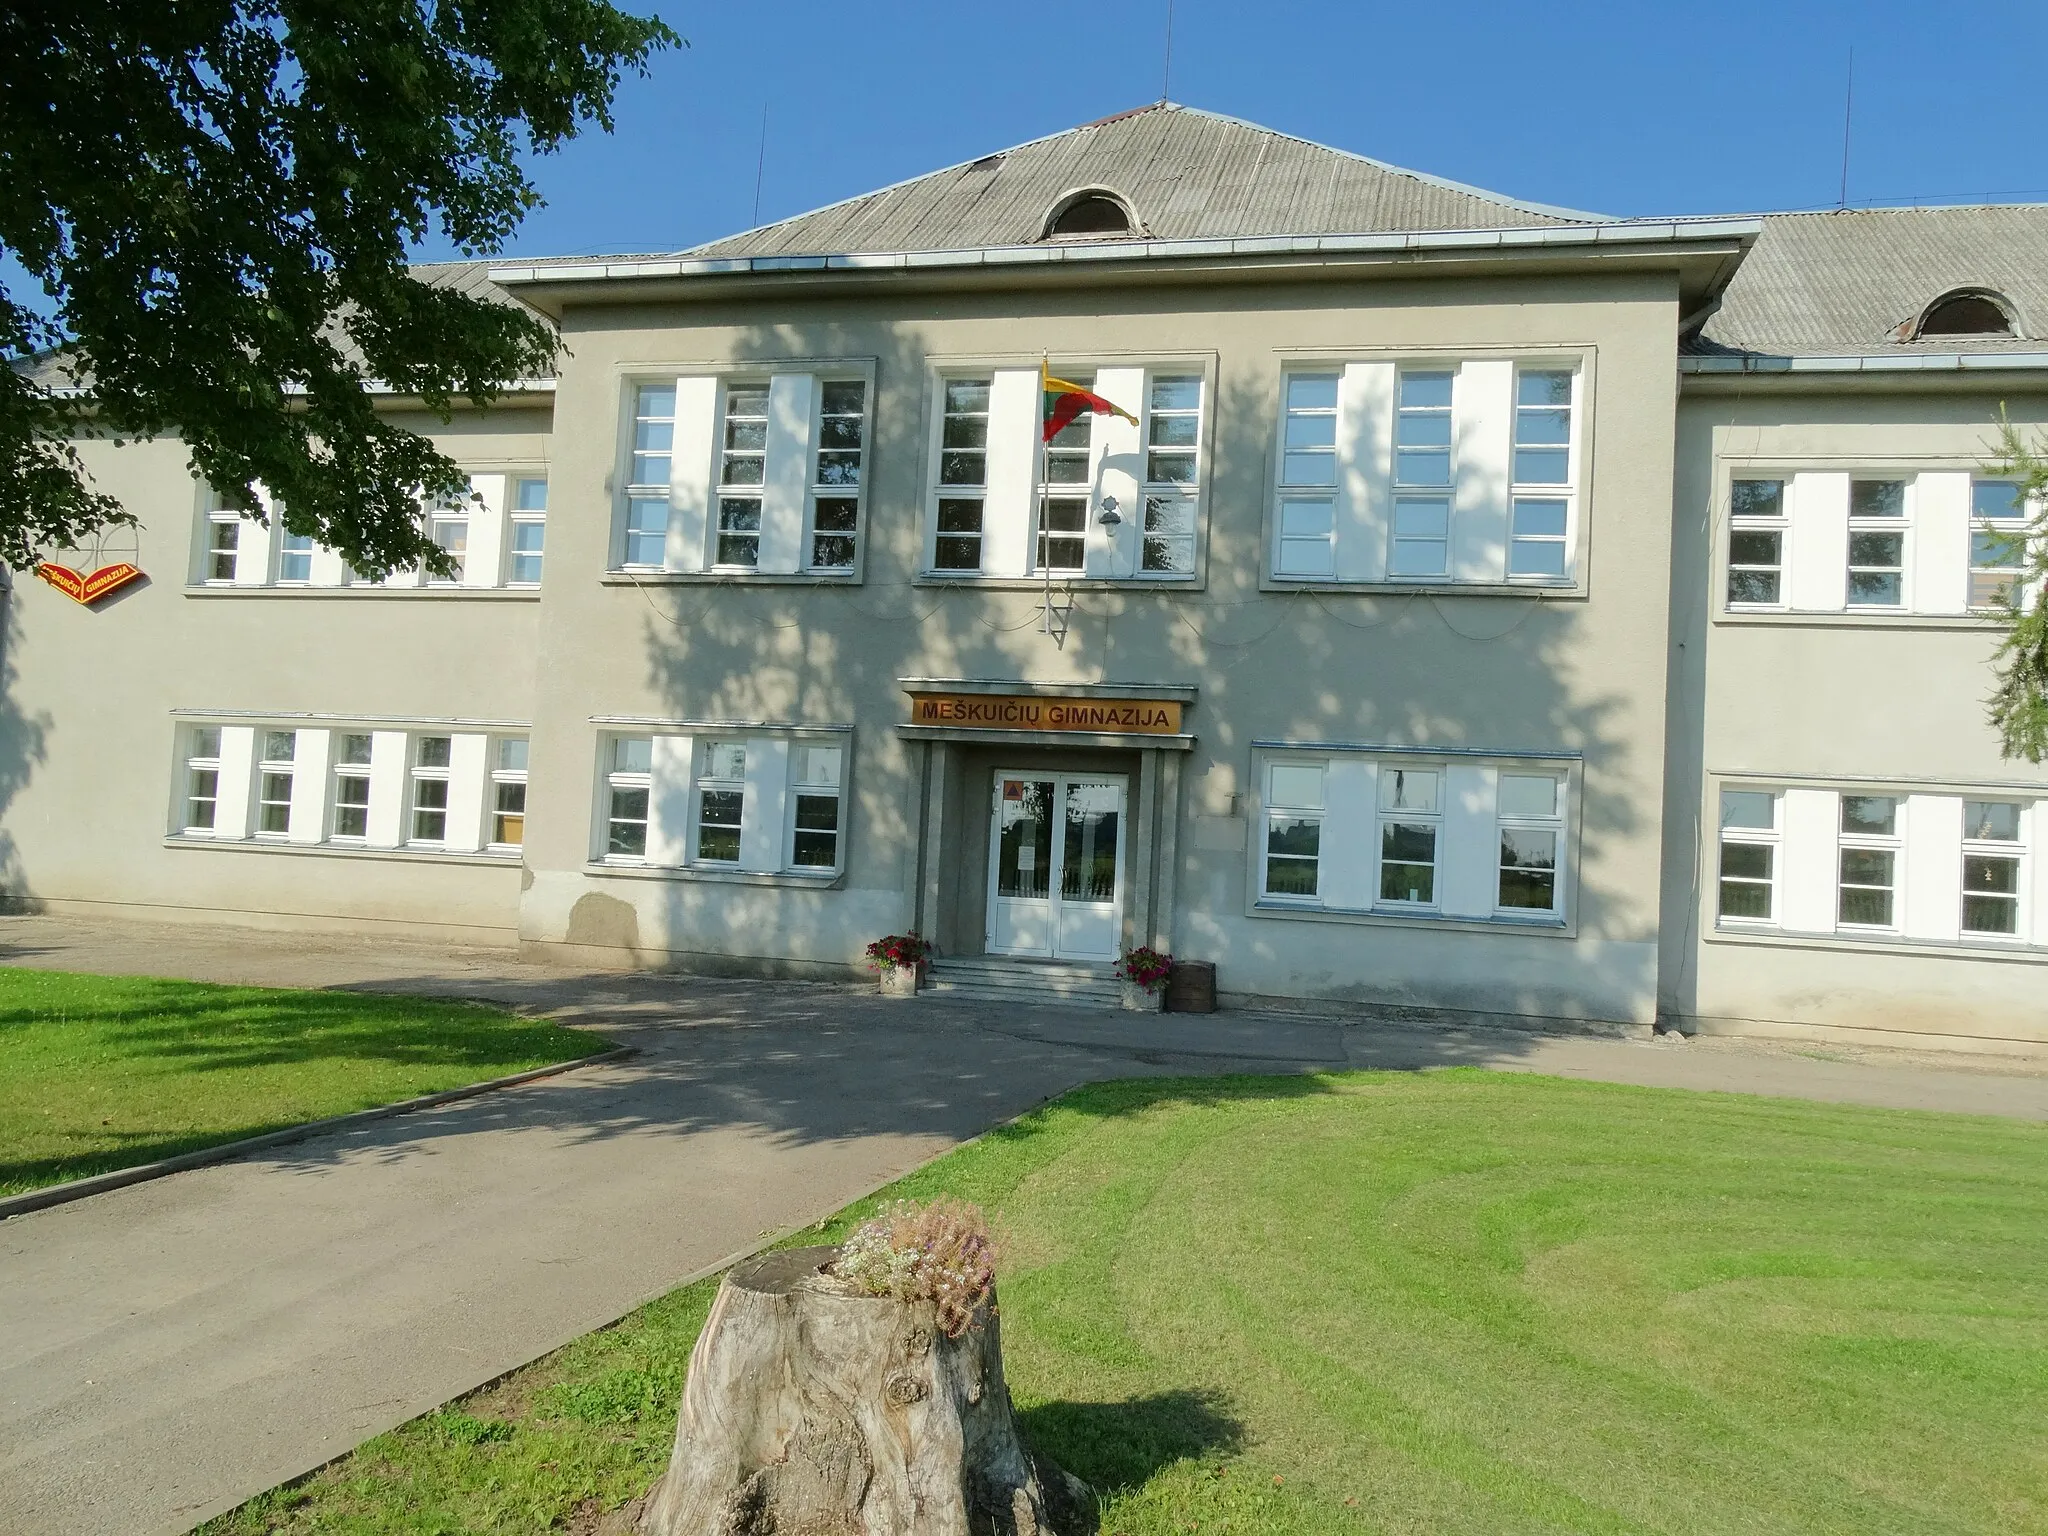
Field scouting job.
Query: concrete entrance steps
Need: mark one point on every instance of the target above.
(1032, 983)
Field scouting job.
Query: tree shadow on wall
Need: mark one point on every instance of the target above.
(24, 743)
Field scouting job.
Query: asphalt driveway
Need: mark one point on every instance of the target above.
(170, 1349)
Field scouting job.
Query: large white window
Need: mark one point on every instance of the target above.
(223, 540)
(352, 763)
(742, 470)
(1173, 436)
(963, 474)
(630, 765)
(202, 782)
(1531, 842)
(1992, 862)
(448, 527)
(1869, 862)
(1411, 828)
(1749, 855)
(1877, 544)
(1998, 547)
(431, 761)
(1412, 835)
(294, 558)
(1756, 543)
(508, 793)
(837, 474)
(650, 460)
(1294, 829)
(350, 786)
(816, 812)
(721, 801)
(1539, 533)
(274, 774)
(1421, 543)
(528, 533)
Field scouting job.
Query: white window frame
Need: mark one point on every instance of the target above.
(618, 780)
(442, 521)
(1533, 493)
(1402, 533)
(294, 546)
(199, 760)
(518, 517)
(2013, 528)
(221, 516)
(650, 436)
(347, 771)
(818, 489)
(803, 787)
(2017, 850)
(1385, 817)
(1317, 493)
(1164, 504)
(1900, 526)
(1294, 539)
(419, 773)
(268, 767)
(1556, 824)
(1893, 843)
(977, 492)
(504, 776)
(1447, 413)
(734, 496)
(1274, 811)
(1778, 524)
(706, 762)
(1770, 839)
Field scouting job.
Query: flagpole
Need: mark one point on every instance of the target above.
(1038, 539)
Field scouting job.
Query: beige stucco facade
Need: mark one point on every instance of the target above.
(1491, 786)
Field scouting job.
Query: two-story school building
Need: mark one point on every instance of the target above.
(1484, 609)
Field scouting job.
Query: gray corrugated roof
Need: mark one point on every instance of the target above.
(1840, 284)
(1187, 174)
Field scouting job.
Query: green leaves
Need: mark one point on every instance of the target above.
(217, 198)
(2018, 706)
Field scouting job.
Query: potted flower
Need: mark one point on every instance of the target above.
(1143, 972)
(898, 961)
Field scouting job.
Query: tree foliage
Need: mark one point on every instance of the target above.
(2019, 704)
(217, 198)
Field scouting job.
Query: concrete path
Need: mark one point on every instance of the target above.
(170, 1349)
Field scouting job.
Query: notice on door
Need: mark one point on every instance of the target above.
(1000, 712)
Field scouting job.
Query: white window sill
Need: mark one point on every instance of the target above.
(1855, 618)
(1410, 588)
(633, 576)
(1548, 924)
(1185, 581)
(507, 858)
(369, 590)
(820, 880)
(1871, 941)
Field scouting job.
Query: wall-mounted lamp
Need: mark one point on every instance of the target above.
(1110, 516)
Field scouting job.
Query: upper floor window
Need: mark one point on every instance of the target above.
(756, 473)
(1103, 498)
(448, 527)
(529, 533)
(1923, 542)
(1429, 471)
(222, 555)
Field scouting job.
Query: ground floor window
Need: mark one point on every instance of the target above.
(1414, 835)
(757, 804)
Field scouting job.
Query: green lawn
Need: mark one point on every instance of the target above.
(103, 1072)
(1432, 1303)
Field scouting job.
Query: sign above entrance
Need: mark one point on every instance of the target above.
(1026, 712)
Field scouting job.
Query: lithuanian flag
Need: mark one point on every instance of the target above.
(1062, 402)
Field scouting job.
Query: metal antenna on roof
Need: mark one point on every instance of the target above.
(760, 164)
(1166, 85)
(1848, 110)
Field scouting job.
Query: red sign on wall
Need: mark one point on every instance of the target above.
(88, 587)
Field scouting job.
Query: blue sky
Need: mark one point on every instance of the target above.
(1640, 108)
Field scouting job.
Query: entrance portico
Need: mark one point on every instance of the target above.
(1046, 838)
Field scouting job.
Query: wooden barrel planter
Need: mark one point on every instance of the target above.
(816, 1409)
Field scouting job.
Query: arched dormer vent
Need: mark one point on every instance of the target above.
(1965, 312)
(1090, 213)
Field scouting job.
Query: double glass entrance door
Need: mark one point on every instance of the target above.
(1055, 866)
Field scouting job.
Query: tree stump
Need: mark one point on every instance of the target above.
(815, 1409)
